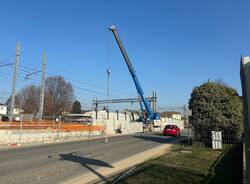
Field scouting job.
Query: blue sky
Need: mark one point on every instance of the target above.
(174, 45)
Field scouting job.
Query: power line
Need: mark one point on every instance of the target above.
(21, 78)
(10, 65)
(70, 79)
(87, 93)
(29, 69)
(91, 91)
(4, 92)
(77, 87)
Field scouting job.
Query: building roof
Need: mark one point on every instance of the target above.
(169, 113)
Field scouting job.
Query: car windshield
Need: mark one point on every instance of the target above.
(169, 126)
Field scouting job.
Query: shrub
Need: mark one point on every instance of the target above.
(215, 106)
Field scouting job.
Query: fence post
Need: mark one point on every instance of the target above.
(60, 120)
(21, 128)
(89, 126)
(245, 83)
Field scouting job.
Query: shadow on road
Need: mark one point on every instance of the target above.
(85, 162)
(157, 138)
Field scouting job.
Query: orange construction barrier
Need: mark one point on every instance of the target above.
(46, 124)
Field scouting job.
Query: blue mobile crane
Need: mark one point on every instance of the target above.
(149, 114)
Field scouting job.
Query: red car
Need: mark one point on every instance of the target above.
(171, 130)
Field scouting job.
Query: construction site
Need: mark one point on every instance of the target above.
(124, 92)
(17, 127)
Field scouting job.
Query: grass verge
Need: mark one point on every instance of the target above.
(194, 166)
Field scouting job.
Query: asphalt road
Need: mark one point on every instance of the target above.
(55, 163)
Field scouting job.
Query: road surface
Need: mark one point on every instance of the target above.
(56, 163)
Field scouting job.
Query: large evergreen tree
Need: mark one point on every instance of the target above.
(216, 106)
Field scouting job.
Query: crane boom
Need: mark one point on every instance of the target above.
(151, 115)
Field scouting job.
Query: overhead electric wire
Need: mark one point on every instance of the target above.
(80, 82)
(21, 78)
(93, 83)
(26, 69)
(29, 70)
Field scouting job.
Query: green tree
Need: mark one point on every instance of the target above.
(215, 106)
(76, 108)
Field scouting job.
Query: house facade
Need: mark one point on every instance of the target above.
(172, 117)
(17, 110)
(3, 109)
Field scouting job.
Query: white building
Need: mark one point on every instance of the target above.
(3, 109)
(170, 117)
(17, 111)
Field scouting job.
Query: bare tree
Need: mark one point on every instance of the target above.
(28, 99)
(59, 95)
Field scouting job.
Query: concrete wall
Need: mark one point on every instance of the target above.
(114, 126)
(103, 115)
(26, 136)
(117, 123)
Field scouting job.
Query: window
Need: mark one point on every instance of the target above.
(168, 126)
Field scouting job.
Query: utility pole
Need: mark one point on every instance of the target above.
(96, 108)
(154, 102)
(12, 102)
(245, 80)
(41, 100)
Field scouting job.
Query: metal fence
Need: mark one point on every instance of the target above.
(47, 122)
(206, 132)
(23, 128)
